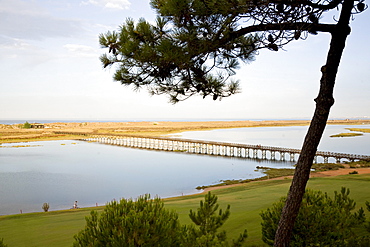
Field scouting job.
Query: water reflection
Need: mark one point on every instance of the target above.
(61, 172)
(289, 137)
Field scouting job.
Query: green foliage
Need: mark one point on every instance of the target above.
(45, 207)
(26, 125)
(321, 221)
(208, 221)
(146, 223)
(2, 244)
(362, 163)
(326, 166)
(363, 241)
(195, 46)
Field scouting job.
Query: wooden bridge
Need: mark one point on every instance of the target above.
(215, 148)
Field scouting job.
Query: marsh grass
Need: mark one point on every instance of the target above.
(347, 135)
(358, 164)
(326, 166)
(364, 130)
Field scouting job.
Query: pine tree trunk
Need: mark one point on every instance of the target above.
(324, 101)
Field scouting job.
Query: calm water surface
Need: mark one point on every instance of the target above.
(289, 137)
(61, 172)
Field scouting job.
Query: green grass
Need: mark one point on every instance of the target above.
(270, 173)
(247, 201)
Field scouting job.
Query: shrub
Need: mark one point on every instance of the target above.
(2, 243)
(326, 166)
(321, 221)
(26, 125)
(142, 223)
(354, 172)
(147, 223)
(208, 222)
(45, 207)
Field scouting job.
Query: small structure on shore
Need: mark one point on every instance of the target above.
(37, 126)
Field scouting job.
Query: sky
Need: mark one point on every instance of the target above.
(50, 69)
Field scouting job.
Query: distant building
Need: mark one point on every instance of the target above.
(37, 126)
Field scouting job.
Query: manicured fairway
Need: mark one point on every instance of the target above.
(247, 201)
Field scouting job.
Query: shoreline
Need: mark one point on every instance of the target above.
(48, 131)
(330, 173)
(163, 128)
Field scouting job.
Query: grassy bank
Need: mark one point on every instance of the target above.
(247, 201)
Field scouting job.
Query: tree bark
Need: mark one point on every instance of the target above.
(324, 101)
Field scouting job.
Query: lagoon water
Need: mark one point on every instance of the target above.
(61, 172)
(288, 137)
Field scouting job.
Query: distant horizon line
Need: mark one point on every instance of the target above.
(51, 120)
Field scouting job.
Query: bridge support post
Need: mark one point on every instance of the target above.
(282, 156)
(273, 157)
(326, 158)
(264, 154)
(255, 153)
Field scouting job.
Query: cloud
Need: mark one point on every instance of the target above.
(22, 53)
(27, 20)
(109, 4)
(81, 50)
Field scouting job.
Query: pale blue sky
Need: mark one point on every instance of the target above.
(50, 69)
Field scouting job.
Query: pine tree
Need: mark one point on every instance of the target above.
(196, 46)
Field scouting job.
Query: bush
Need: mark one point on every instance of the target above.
(321, 221)
(142, 223)
(45, 207)
(2, 243)
(354, 172)
(26, 125)
(147, 223)
(208, 221)
(326, 166)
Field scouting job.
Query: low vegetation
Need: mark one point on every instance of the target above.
(45, 207)
(322, 221)
(26, 125)
(364, 130)
(319, 167)
(146, 222)
(347, 135)
(359, 164)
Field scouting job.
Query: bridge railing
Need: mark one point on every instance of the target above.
(198, 143)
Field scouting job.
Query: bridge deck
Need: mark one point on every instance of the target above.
(212, 147)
